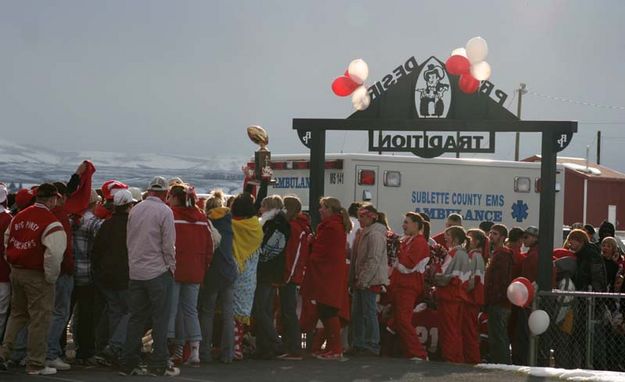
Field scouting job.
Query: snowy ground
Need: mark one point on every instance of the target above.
(568, 375)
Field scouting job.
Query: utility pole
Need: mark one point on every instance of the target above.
(598, 146)
(521, 90)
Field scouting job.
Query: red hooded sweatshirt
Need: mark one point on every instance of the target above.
(194, 245)
(297, 249)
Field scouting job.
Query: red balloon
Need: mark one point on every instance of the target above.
(343, 86)
(468, 84)
(458, 65)
(530, 289)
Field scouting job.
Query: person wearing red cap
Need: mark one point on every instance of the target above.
(24, 198)
(71, 203)
(35, 243)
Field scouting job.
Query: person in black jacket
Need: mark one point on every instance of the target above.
(270, 274)
(590, 275)
(109, 264)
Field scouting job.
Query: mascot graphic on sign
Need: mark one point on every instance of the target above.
(431, 100)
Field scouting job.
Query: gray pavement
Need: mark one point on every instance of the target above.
(360, 369)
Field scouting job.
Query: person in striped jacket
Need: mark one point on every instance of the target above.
(478, 246)
(452, 295)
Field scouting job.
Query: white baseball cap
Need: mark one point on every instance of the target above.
(158, 183)
(123, 197)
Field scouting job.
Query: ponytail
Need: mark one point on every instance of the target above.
(458, 235)
(426, 229)
(347, 223)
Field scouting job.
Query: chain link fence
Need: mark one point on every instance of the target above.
(586, 331)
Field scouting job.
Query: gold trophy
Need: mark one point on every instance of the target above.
(262, 157)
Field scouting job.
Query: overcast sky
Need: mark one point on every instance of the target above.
(188, 76)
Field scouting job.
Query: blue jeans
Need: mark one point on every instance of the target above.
(365, 327)
(184, 322)
(149, 300)
(60, 315)
(117, 312)
(208, 306)
(267, 340)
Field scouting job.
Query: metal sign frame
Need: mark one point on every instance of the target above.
(552, 135)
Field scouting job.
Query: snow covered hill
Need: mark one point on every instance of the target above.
(26, 164)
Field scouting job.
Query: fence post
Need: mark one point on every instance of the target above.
(534, 340)
(589, 327)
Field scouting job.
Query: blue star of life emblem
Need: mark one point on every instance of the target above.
(519, 210)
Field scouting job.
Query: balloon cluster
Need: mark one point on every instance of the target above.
(521, 293)
(353, 82)
(469, 64)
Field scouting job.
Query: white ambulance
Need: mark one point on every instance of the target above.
(479, 190)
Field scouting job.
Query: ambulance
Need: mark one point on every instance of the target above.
(479, 190)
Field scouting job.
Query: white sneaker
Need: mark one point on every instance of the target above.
(44, 371)
(58, 364)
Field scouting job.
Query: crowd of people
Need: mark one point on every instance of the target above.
(148, 281)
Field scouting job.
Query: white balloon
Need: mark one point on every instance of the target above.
(361, 98)
(538, 322)
(517, 293)
(459, 52)
(358, 71)
(481, 71)
(477, 49)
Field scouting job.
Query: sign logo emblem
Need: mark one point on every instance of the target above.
(432, 90)
(519, 211)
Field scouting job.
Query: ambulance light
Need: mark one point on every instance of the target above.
(522, 184)
(366, 177)
(392, 178)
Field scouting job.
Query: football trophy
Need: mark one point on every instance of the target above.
(262, 157)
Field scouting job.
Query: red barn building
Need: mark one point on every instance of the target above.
(592, 193)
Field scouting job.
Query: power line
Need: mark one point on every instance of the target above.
(568, 100)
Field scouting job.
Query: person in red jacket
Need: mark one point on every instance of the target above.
(194, 251)
(496, 280)
(74, 200)
(478, 245)
(407, 283)
(452, 221)
(324, 283)
(451, 294)
(296, 255)
(35, 243)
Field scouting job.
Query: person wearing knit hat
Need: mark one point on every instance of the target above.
(606, 229)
